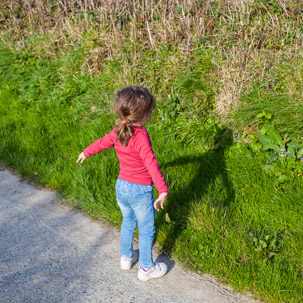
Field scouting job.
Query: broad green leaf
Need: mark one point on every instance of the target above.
(263, 244)
(264, 130)
(281, 179)
(286, 140)
(268, 116)
(261, 115)
(255, 146)
(300, 153)
(275, 136)
(265, 140)
(291, 152)
(273, 147)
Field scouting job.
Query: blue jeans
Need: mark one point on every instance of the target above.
(136, 202)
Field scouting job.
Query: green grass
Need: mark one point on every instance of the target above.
(225, 214)
(286, 114)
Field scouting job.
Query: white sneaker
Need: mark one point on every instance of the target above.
(127, 263)
(157, 271)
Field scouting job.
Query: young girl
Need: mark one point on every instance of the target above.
(139, 170)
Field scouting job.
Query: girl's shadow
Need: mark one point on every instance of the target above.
(206, 168)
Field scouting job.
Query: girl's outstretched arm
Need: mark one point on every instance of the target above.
(101, 144)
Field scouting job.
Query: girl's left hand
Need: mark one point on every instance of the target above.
(81, 158)
(160, 201)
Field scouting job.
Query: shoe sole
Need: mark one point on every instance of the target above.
(146, 278)
(126, 267)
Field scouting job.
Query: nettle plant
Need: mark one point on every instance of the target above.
(272, 140)
(286, 159)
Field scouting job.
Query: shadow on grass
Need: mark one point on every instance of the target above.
(207, 168)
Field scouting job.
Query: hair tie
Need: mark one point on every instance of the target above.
(125, 121)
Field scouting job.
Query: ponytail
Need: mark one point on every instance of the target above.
(125, 131)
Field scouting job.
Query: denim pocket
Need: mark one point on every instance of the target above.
(147, 188)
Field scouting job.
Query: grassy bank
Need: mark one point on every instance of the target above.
(233, 169)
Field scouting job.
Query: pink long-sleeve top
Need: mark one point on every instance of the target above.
(138, 163)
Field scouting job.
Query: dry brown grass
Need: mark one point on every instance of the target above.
(247, 36)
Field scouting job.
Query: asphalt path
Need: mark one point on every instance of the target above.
(50, 252)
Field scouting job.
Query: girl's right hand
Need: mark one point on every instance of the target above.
(81, 158)
(160, 201)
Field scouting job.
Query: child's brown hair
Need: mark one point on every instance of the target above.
(134, 105)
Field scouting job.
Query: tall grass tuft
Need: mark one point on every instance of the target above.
(247, 37)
